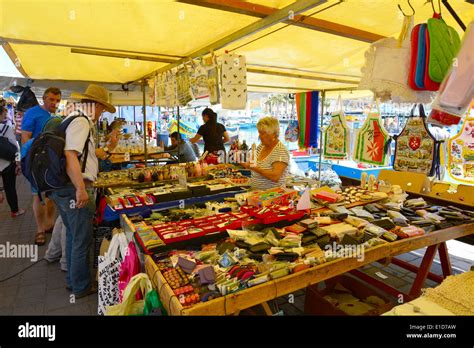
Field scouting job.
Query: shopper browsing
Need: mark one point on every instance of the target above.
(9, 167)
(32, 125)
(76, 201)
(272, 157)
(181, 148)
(214, 133)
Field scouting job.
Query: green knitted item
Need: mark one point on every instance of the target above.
(444, 46)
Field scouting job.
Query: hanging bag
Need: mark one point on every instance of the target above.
(336, 135)
(129, 267)
(109, 272)
(416, 149)
(372, 141)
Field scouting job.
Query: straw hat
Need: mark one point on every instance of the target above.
(96, 93)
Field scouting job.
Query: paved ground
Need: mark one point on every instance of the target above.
(40, 290)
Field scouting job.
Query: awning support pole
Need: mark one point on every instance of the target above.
(454, 14)
(144, 122)
(323, 100)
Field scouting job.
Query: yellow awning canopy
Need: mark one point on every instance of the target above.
(39, 37)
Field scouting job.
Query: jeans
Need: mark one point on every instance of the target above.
(78, 224)
(9, 185)
(57, 244)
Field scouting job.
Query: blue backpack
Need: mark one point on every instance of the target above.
(45, 164)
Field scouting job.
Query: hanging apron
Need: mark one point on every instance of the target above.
(461, 153)
(416, 149)
(372, 141)
(336, 136)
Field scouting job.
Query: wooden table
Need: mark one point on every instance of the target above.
(260, 294)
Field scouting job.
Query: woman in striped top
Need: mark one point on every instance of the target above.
(272, 157)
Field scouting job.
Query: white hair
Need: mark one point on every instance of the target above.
(269, 125)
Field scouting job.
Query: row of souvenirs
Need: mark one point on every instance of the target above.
(416, 149)
(200, 79)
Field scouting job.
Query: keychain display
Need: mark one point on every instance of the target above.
(461, 153)
(416, 149)
(372, 141)
(336, 135)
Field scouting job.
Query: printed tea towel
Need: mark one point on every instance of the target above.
(233, 82)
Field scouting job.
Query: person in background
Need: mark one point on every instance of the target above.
(272, 158)
(9, 170)
(181, 148)
(214, 134)
(32, 125)
(78, 217)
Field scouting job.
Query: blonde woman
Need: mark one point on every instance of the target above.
(272, 157)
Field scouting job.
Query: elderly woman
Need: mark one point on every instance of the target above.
(272, 157)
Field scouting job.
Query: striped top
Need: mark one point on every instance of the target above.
(18, 119)
(278, 154)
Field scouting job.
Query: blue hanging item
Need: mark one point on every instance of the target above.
(292, 131)
(421, 59)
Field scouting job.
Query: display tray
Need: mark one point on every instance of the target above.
(234, 303)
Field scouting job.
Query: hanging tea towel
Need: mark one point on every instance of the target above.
(184, 94)
(234, 82)
(198, 80)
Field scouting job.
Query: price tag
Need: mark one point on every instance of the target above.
(126, 157)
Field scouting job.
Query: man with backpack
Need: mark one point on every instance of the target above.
(75, 201)
(32, 125)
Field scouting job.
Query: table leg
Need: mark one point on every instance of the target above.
(267, 309)
(424, 269)
(444, 259)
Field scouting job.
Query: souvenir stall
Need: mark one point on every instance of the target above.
(196, 239)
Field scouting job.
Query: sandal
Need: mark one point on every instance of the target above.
(40, 238)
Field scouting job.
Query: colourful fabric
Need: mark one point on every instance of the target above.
(307, 107)
(372, 141)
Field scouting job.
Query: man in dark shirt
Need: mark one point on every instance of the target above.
(181, 148)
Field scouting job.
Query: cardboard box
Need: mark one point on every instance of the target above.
(316, 304)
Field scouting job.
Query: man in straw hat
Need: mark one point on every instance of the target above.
(76, 202)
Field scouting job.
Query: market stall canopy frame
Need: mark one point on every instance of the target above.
(127, 40)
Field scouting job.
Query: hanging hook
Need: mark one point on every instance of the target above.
(432, 6)
(409, 4)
